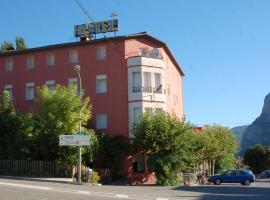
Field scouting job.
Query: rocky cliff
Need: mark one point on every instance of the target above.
(259, 131)
(238, 132)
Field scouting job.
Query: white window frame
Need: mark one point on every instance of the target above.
(30, 62)
(50, 59)
(9, 65)
(99, 79)
(9, 89)
(102, 124)
(50, 83)
(101, 53)
(147, 84)
(137, 111)
(28, 94)
(136, 84)
(73, 56)
(76, 84)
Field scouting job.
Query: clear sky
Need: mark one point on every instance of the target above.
(223, 46)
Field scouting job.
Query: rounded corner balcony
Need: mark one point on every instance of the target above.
(145, 59)
(155, 55)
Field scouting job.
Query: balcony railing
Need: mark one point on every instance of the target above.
(148, 89)
(145, 54)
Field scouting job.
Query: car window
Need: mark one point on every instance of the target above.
(241, 172)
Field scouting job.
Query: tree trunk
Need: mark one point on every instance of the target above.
(213, 166)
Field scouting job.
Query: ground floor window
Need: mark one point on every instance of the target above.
(139, 163)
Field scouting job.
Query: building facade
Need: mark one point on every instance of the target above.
(123, 76)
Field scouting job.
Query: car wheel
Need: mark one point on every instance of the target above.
(246, 182)
(217, 181)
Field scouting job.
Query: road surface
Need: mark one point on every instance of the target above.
(11, 189)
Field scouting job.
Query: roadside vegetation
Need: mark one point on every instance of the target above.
(172, 146)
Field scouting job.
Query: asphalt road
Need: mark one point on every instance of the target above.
(11, 189)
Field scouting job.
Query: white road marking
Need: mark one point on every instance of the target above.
(83, 192)
(26, 186)
(91, 193)
(124, 196)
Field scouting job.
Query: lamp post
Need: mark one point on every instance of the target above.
(77, 68)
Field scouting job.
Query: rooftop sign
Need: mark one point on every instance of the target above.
(96, 27)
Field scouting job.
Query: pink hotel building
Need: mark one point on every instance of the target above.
(123, 76)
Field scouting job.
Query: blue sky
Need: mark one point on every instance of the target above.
(223, 46)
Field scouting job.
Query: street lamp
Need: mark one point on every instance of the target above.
(77, 68)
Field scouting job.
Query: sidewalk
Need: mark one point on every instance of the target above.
(43, 179)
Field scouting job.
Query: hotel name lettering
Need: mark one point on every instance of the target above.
(96, 27)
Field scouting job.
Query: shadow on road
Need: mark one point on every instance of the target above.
(226, 192)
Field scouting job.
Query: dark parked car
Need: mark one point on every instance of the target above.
(265, 174)
(245, 177)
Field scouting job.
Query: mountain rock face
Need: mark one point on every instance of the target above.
(259, 131)
(238, 132)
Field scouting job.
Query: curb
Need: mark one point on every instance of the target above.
(37, 179)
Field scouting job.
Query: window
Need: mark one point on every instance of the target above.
(9, 65)
(50, 60)
(50, 84)
(73, 56)
(30, 62)
(101, 81)
(139, 163)
(8, 88)
(144, 52)
(101, 53)
(101, 120)
(29, 91)
(136, 82)
(175, 99)
(159, 109)
(136, 114)
(146, 82)
(155, 53)
(74, 82)
(168, 90)
(148, 109)
(158, 85)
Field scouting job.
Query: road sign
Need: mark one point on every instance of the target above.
(80, 133)
(74, 143)
(74, 137)
(74, 140)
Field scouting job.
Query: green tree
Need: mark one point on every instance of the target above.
(58, 114)
(15, 131)
(20, 44)
(9, 46)
(257, 158)
(220, 146)
(113, 150)
(167, 141)
(6, 46)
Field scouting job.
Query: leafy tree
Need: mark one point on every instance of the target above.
(167, 141)
(20, 44)
(58, 114)
(9, 46)
(6, 46)
(112, 152)
(257, 158)
(15, 131)
(220, 145)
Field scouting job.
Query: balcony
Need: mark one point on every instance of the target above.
(146, 54)
(148, 89)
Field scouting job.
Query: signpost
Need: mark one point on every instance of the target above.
(74, 140)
